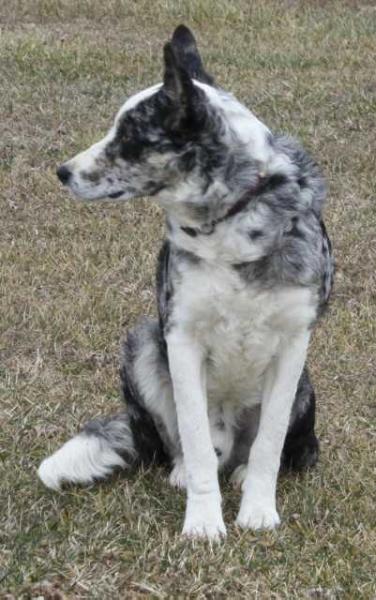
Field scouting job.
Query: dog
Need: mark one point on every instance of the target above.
(218, 381)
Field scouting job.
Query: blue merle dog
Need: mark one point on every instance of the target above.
(219, 380)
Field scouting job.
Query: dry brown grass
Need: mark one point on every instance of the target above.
(73, 276)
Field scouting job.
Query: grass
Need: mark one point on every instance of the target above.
(73, 277)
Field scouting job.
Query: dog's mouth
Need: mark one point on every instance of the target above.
(116, 194)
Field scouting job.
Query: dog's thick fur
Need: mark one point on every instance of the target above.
(219, 380)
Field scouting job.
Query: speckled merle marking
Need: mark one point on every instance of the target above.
(219, 379)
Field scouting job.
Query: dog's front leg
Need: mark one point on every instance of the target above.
(203, 516)
(258, 505)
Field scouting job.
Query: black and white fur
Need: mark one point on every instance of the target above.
(219, 379)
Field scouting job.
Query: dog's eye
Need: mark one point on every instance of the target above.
(131, 150)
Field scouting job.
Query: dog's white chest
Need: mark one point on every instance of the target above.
(239, 325)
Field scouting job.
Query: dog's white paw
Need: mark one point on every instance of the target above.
(178, 477)
(238, 476)
(200, 528)
(204, 519)
(254, 515)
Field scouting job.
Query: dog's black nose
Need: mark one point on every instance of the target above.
(63, 174)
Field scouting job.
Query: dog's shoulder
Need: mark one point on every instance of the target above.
(310, 192)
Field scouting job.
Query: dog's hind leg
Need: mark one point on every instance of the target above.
(143, 433)
(301, 448)
(147, 390)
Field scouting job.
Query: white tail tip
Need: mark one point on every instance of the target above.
(82, 459)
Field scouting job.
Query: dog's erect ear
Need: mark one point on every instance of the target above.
(187, 54)
(177, 83)
(187, 110)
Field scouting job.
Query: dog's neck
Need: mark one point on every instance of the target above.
(238, 206)
(207, 222)
(198, 202)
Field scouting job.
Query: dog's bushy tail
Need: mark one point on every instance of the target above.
(103, 445)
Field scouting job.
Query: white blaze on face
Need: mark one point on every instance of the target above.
(85, 159)
(136, 99)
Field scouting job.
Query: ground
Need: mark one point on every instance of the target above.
(74, 277)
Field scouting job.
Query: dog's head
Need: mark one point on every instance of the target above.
(170, 140)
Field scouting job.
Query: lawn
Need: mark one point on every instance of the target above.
(74, 277)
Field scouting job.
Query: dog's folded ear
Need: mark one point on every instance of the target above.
(187, 54)
(187, 110)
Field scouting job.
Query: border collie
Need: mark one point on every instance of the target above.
(218, 381)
